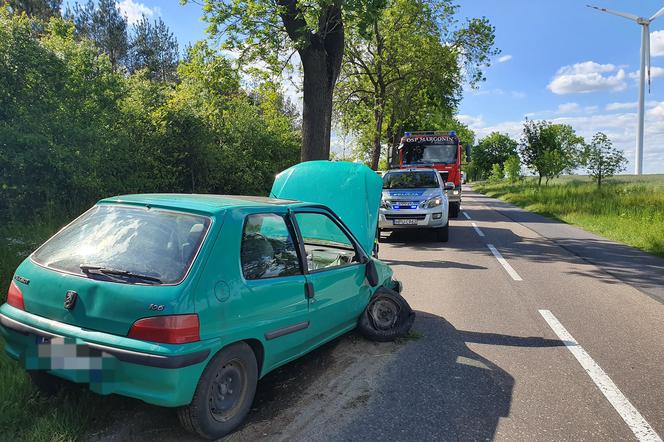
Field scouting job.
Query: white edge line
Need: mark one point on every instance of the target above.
(477, 229)
(466, 215)
(641, 429)
(515, 276)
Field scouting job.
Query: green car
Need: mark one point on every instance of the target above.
(187, 300)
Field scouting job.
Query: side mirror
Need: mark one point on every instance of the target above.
(467, 154)
(371, 273)
(449, 185)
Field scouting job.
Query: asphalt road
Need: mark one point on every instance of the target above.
(550, 346)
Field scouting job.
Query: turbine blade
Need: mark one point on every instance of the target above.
(657, 14)
(648, 55)
(619, 14)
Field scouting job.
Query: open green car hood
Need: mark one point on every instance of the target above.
(351, 190)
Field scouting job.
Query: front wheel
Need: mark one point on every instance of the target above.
(454, 210)
(224, 393)
(443, 233)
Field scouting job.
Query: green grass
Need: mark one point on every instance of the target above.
(629, 209)
(26, 415)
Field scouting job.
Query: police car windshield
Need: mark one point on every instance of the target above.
(410, 180)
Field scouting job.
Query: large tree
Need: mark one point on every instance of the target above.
(42, 9)
(602, 160)
(495, 148)
(103, 23)
(408, 61)
(550, 149)
(273, 30)
(153, 47)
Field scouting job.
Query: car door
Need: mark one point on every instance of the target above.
(335, 273)
(275, 301)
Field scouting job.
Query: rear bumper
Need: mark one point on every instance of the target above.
(165, 378)
(134, 357)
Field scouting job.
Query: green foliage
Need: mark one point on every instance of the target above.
(512, 168)
(74, 131)
(41, 9)
(155, 48)
(631, 210)
(103, 23)
(495, 148)
(602, 160)
(497, 173)
(405, 70)
(550, 149)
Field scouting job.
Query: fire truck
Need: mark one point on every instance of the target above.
(437, 150)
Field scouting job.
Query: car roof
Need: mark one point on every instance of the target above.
(205, 203)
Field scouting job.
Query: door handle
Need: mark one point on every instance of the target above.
(309, 290)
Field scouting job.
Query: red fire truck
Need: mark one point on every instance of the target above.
(440, 151)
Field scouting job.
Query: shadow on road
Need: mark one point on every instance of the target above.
(431, 386)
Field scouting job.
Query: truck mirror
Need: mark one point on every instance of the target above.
(467, 153)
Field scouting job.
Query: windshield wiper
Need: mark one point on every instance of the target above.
(95, 269)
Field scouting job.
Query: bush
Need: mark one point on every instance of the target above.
(497, 173)
(513, 168)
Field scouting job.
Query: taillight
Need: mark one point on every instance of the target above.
(175, 329)
(15, 296)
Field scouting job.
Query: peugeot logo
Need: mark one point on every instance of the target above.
(70, 299)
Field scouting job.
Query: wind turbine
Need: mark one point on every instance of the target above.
(645, 60)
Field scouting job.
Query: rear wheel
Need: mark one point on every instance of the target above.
(224, 393)
(443, 234)
(454, 210)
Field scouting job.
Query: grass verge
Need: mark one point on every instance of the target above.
(25, 415)
(626, 209)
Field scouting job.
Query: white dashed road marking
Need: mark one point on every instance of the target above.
(477, 229)
(508, 268)
(642, 430)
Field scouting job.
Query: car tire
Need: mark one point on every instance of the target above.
(217, 409)
(387, 316)
(47, 384)
(455, 208)
(443, 234)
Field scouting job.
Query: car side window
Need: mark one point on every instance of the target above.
(325, 243)
(267, 249)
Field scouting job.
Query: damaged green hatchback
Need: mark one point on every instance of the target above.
(187, 300)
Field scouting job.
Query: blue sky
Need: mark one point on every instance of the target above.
(560, 61)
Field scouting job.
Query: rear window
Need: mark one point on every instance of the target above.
(410, 180)
(145, 242)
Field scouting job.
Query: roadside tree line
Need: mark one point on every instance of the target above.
(75, 125)
(546, 149)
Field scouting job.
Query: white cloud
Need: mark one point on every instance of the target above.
(591, 109)
(504, 59)
(587, 77)
(621, 106)
(620, 127)
(568, 107)
(657, 43)
(135, 10)
(655, 71)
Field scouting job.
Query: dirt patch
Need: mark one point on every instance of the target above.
(296, 401)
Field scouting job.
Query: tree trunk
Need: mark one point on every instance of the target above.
(321, 64)
(377, 148)
(316, 107)
(539, 183)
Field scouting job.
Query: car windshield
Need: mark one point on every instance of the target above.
(410, 180)
(430, 153)
(126, 244)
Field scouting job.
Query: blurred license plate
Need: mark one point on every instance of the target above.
(405, 221)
